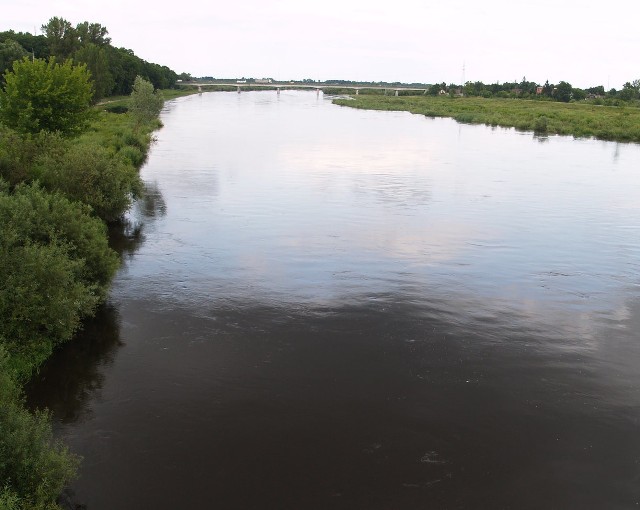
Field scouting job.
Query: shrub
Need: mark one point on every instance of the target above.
(541, 124)
(40, 95)
(55, 266)
(33, 467)
(91, 174)
(117, 108)
(18, 152)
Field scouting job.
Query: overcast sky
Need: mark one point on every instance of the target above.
(429, 41)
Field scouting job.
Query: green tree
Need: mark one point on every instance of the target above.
(92, 33)
(62, 37)
(96, 60)
(599, 90)
(563, 92)
(124, 67)
(10, 51)
(40, 95)
(145, 104)
(578, 94)
(33, 44)
(630, 90)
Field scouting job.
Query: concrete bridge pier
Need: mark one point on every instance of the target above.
(396, 92)
(278, 90)
(357, 92)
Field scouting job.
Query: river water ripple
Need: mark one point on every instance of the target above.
(323, 308)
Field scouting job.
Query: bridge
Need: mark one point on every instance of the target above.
(298, 86)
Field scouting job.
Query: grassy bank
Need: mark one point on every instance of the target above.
(616, 123)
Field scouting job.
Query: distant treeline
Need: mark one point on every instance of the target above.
(113, 70)
(562, 91)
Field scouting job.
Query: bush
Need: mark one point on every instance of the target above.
(40, 95)
(55, 266)
(117, 108)
(91, 174)
(18, 152)
(33, 467)
(541, 124)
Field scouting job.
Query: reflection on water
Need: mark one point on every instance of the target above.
(126, 236)
(332, 308)
(74, 375)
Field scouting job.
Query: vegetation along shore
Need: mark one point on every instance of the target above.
(68, 173)
(580, 119)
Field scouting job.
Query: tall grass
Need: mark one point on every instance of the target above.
(616, 123)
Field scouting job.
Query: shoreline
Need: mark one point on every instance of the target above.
(609, 123)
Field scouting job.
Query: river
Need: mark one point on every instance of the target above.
(321, 307)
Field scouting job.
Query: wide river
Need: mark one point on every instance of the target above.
(322, 307)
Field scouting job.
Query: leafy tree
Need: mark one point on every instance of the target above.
(10, 51)
(62, 37)
(96, 60)
(578, 94)
(547, 89)
(124, 67)
(435, 89)
(35, 45)
(145, 104)
(92, 33)
(563, 92)
(599, 90)
(48, 96)
(630, 90)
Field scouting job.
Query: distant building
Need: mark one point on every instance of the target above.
(539, 90)
(264, 81)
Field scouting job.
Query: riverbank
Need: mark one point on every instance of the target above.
(613, 123)
(58, 197)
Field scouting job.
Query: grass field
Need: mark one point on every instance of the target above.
(616, 123)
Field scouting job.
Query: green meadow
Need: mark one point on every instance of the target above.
(615, 123)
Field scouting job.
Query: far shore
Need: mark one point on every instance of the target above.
(613, 123)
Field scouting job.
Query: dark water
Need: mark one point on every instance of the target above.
(328, 308)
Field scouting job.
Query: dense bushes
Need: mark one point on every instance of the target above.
(104, 178)
(56, 266)
(58, 191)
(33, 468)
(91, 174)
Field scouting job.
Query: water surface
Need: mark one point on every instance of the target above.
(322, 307)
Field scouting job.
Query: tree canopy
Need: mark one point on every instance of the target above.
(145, 104)
(113, 70)
(46, 96)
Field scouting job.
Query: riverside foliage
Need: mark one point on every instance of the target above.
(58, 191)
(619, 123)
